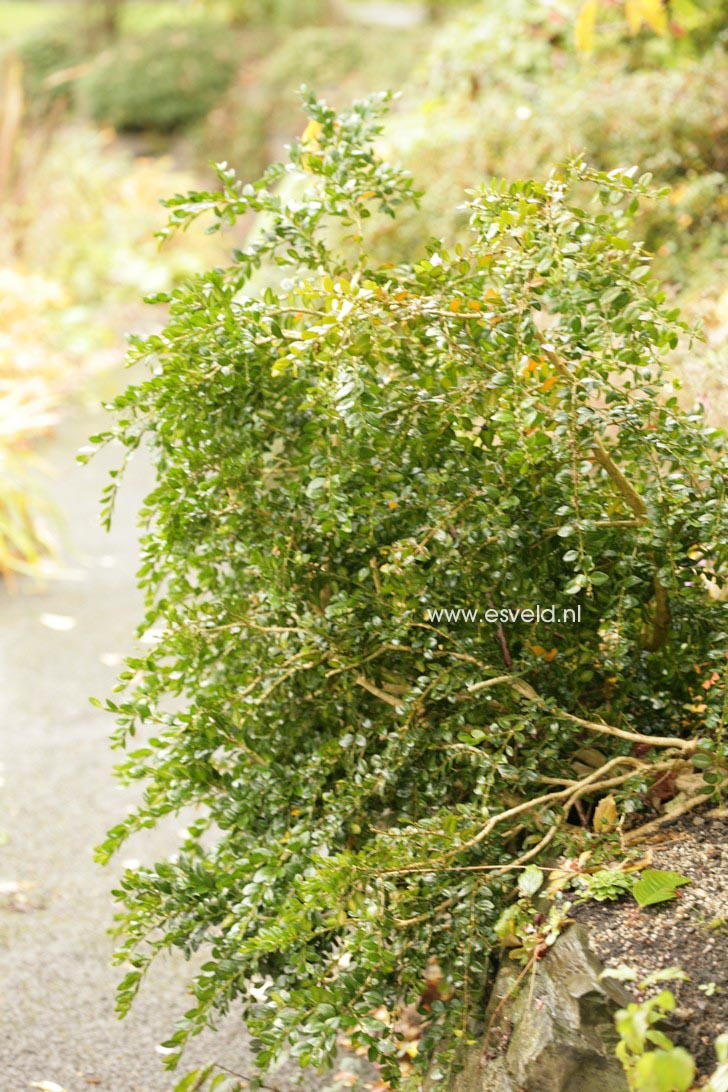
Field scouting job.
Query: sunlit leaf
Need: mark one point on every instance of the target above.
(655, 15)
(665, 1071)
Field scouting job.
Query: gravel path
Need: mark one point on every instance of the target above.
(57, 1020)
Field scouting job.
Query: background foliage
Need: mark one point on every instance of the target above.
(163, 81)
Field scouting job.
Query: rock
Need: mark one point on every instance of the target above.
(558, 1037)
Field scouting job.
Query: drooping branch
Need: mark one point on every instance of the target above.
(525, 690)
(627, 490)
(662, 618)
(520, 686)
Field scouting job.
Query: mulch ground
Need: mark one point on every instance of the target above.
(690, 932)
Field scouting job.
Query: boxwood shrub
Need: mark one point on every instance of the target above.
(339, 460)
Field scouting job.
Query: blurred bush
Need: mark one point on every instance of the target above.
(286, 13)
(492, 43)
(261, 111)
(164, 81)
(31, 379)
(671, 122)
(46, 55)
(86, 215)
(80, 208)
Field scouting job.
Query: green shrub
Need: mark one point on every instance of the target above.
(338, 461)
(165, 80)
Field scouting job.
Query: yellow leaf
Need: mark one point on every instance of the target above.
(559, 879)
(585, 26)
(606, 815)
(654, 14)
(311, 133)
(548, 383)
(309, 140)
(633, 11)
(539, 650)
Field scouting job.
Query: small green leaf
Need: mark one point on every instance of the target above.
(665, 1071)
(505, 927)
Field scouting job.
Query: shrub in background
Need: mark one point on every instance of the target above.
(279, 13)
(95, 237)
(338, 457)
(49, 53)
(259, 113)
(493, 44)
(162, 81)
(672, 122)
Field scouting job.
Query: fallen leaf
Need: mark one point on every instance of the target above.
(656, 886)
(605, 815)
(59, 622)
